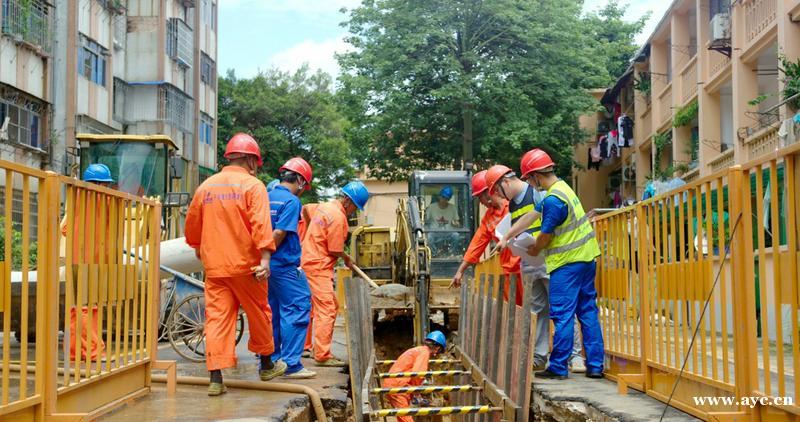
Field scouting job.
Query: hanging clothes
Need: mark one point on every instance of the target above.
(612, 137)
(594, 158)
(625, 127)
(615, 151)
(603, 146)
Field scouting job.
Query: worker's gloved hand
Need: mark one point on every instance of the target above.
(420, 401)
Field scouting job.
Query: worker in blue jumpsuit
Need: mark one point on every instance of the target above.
(568, 243)
(289, 294)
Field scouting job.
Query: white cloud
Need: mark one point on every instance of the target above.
(318, 55)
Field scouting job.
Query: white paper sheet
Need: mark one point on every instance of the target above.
(519, 246)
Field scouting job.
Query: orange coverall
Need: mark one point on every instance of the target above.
(91, 343)
(229, 223)
(412, 360)
(483, 236)
(325, 235)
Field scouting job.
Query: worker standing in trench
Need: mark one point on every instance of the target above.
(289, 294)
(323, 245)
(569, 246)
(496, 210)
(228, 225)
(522, 200)
(413, 360)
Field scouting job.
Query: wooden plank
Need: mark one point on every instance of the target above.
(509, 333)
(525, 357)
(487, 325)
(494, 394)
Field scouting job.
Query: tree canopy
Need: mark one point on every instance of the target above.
(615, 37)
(430, 83)
(289, 115)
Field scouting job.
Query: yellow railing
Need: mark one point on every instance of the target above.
(704, 278)
(94, 278)
(758, 16)
(689, 80)
(665, 105)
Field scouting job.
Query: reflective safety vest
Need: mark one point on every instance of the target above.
(518, 210)
(574, 239)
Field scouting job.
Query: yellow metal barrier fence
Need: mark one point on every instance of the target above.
(698, 292)
(81, 292)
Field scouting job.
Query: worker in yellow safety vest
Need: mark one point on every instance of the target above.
(567, 242)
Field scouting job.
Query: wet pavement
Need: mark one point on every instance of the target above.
(192, 403)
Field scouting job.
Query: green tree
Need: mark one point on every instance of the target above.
(614, 37)
(16, 248)
(289, 115)
(432, 82)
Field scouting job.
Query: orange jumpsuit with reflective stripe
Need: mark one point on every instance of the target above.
(92, 344)
(412, 360)
(229, 223)
(324, 236)
(483, 236)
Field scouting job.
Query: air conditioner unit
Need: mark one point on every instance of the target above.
(721, 27)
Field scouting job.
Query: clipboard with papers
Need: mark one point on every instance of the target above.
(519, 245)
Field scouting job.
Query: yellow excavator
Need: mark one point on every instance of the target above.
(415, 261)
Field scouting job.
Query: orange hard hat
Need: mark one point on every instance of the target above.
(535, 160)
(301, 167)
(242, 143)
(494, 174)
(479, 183)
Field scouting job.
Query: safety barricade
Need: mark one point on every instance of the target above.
(79, 293)
(698, 292)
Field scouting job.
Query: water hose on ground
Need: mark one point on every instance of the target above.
(313, 396)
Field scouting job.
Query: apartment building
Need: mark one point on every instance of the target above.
(705, 92)
(108, 66)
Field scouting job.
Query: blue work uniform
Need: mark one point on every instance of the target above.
(572, 292)
(289, 295)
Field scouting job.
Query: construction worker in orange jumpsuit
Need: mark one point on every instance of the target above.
(228, 224)
(496, 210)
(412, 360)
(91, 343)
(323, 245)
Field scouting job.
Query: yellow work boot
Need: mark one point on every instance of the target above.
(216, 389)
(278, 369)
(331, 363)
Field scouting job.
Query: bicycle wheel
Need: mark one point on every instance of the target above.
(185, 325)
(239, 327)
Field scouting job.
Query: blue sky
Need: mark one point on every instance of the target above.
(259, 34)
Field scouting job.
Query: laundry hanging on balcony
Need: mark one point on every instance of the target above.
(625, 127)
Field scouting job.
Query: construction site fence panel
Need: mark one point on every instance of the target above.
(360, 347)
(496, 342)
(698, 292)
(79, 286)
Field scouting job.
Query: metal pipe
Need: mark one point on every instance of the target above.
(319, 411)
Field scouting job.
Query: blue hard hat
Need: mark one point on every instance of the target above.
(272, 185)
(438, 338)
(446, 192)
(357, 193)
(97, 173)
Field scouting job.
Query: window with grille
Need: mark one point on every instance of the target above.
(29, 21)
(23, 125)
(92, 61)
(207, 69)
(180, 43)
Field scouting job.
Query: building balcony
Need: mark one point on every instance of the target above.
(794, 11)
(665, 105)
(762, 142)
(691, 175)
(722, 161)
(759, 17)
(689, 81)
(717, 64)
(28, 22)
(153, 102)
(180, 42)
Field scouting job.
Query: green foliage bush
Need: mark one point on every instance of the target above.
(16, 248)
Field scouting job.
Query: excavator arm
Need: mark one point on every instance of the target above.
(413, 261)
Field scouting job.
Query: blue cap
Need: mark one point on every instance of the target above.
(97, 173)
(438, 338)
(357, 193)
(272, 185)
(446, 192)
